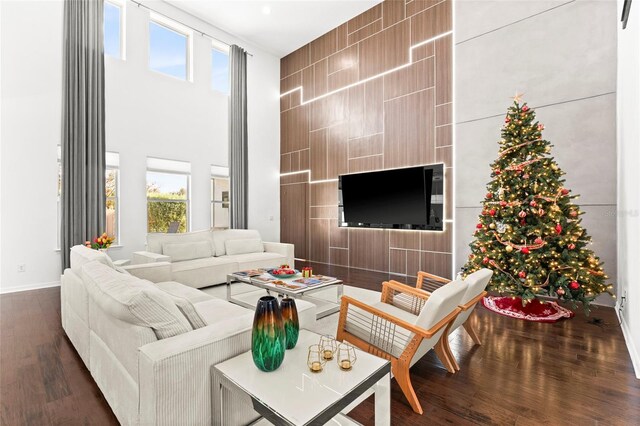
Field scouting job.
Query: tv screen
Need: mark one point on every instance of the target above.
(409, 198)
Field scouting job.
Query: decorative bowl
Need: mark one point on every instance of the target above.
(281, 276)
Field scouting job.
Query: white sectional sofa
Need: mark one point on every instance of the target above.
(204, 258)
(150, 346)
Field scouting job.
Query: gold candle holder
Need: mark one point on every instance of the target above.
(346, 356)
(329, 345)
(315, 359)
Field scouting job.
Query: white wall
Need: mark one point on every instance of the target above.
(628, 179)
(562, 56)
(147, 114)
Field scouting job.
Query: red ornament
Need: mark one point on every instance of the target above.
(533, 203)
(574, 285)
(525, 108)
(560, 291)
(503, 203)
(525, 176)
(538, 240)
(471, 256)
(558, 229)
(483, 249)
(522, 222)
(492, 212)
(522, 274)
(541, 212)
(571, 246)
(497, 172)
(507, 120)
(485, 260)
(564, 191)
(573, 213)
(522, 214)
(479, 226)
(489, 195)
(540, 126)
(524, 250)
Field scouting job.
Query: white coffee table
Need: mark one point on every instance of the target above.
(293, 395)
(324, 306)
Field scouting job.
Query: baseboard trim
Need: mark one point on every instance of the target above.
(28, 287)
(631, 347)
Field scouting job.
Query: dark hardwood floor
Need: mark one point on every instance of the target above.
(573, 372)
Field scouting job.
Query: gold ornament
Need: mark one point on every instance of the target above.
(492, 225)
(509, 249)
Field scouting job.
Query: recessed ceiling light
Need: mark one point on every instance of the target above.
(266, 10)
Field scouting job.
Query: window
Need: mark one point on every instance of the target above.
(220, 186)
(169, 48)
(113, 39)
(220, 70)
(112, 191)
(167, 195)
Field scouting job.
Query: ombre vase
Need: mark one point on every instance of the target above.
(268, 341)
(290, 318)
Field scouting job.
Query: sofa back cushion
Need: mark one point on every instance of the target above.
(133, 300)
(187, 251)
(81, 255)
(220, 238)
(155, 242)
(243, 246)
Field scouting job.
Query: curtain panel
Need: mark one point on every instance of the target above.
(238, 141)
(83, 125)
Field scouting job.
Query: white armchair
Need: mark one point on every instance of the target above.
(402, 327)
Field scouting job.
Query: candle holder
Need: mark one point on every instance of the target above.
(315, 360)
(346, 356)
(328, 345)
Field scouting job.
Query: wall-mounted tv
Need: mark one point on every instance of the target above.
(407, 198)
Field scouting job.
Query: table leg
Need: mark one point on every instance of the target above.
(383, 401)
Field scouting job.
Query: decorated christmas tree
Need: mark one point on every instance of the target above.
(529, 232)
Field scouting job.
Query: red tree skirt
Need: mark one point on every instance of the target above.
(534, 311)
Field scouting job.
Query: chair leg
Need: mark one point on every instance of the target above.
(474, 336)
(401, 374)
(442, 351)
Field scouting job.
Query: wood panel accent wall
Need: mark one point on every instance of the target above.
(361, 98)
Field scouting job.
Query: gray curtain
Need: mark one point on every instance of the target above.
(83, 140)
(238, 159)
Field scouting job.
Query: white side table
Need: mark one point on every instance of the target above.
(292, 395)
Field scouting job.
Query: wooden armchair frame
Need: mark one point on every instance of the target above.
(399, 364)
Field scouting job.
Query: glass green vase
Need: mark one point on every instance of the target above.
(268, 339)
(290, 318)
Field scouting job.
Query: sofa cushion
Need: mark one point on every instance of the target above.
(187, 251)
(133, 300)
(184, 291)
(221, 236)
(155, 241)
(203, 272)
(81, 254)
(256, 260)
(217, 311)
(243, 246)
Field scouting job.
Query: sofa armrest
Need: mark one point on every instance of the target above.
(140, 257)
(154, 272)
(283, 249)
(175, 377)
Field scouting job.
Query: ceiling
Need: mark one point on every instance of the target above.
(288, 26)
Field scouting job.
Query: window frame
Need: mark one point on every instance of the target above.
(214, 201)
(179, 29)
(121, 5)
(187, 200)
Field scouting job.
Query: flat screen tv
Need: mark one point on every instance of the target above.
(408, 198)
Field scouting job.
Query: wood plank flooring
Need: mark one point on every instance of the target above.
(573, 372)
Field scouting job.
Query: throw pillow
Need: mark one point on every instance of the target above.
(187, 251)
(187, 309)
(243, 246)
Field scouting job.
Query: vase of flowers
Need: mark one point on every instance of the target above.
(101, 243)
